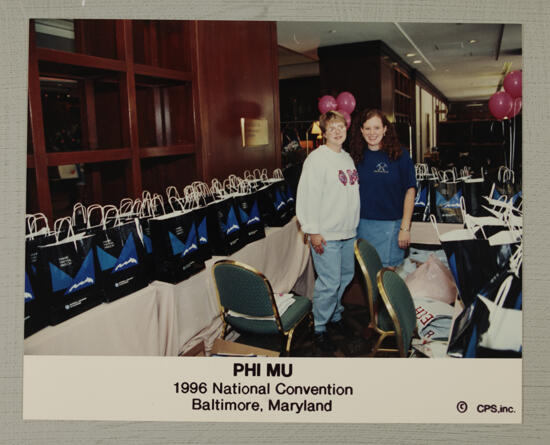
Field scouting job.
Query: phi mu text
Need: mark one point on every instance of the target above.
(255, 369)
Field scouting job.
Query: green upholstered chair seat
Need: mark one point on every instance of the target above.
(292, 315)
(243, 290)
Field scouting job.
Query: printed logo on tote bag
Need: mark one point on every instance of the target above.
(29, 294)
(127, 258)
(190, 244)
(202, 232)
(84, 277)
(231, 225)
(253, 217)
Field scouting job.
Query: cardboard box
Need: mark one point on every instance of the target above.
(227, 347)
(196, 351)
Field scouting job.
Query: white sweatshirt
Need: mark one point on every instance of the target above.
(327, 201)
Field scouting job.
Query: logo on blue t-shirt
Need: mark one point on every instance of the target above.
(381, 167)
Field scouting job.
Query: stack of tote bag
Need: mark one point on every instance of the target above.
(485, 260)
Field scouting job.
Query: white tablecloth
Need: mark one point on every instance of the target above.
(142, 323)
(281, 256)
(167, 319)
(425, 233)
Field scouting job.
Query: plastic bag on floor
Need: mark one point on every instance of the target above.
(422, 255)
(432, 280)
(406, 268)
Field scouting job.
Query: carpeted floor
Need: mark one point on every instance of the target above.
(358, 342)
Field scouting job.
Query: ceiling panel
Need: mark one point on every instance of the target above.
(460, 59)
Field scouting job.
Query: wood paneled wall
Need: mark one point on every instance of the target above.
(169, 116)
(236, 73)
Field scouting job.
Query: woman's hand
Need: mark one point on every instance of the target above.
(404, 239)
(317, 242)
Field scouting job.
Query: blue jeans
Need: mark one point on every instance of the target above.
(383, 235)
(335, 268)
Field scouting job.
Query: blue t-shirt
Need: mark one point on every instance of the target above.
(383, 184)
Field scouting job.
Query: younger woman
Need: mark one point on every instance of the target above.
(386, 186)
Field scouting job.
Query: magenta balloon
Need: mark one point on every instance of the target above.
(501, 104)
(512, 83)
(346, 102)
(516, 107)
(327, 103)
(347, 117)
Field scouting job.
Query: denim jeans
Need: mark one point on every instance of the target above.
(335, 268)
(383, 235)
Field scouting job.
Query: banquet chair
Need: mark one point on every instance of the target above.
(380, 322)
(247, 303)
(399, 303)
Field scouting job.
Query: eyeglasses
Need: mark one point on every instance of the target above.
(334, 128)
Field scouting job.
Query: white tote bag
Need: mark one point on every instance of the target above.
(505, 325)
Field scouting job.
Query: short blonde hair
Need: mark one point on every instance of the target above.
(325, 118)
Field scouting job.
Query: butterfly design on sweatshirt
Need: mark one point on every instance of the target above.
(353, 176)
(342, 177)
(350, 176)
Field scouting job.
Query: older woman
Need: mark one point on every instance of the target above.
(386, 185)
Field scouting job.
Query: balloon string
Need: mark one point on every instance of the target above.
(514, 143)
(510, 131)
(513, 133)
(506, 143)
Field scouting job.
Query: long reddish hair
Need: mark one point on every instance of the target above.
(389, 143)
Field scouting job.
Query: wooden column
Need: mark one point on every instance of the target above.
(88, 118)
(37, 130)
(275, 95)
(199, 138)
(152, 58)
(164, 113)
(89, 123)
(129, 106)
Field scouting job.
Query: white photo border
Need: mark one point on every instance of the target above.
(533, 15)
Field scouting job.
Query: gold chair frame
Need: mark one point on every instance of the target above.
(373, 324)
(223, 312)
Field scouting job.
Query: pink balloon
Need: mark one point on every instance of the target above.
(516, 107)
(347, 117)
(327, 103)
(501, 104)
(346, 102)
(512, 83)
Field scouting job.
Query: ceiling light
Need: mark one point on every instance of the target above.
(332, 31)
(410, 54)
(417, 61)
(472, 41)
